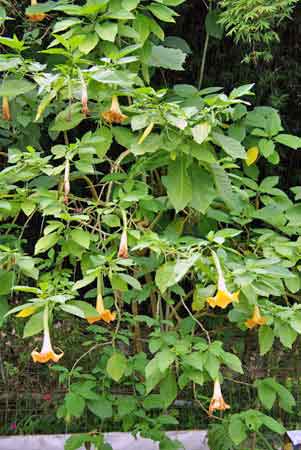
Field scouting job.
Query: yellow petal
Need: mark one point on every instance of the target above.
(27, 311)
(45, 357)
(252, 155)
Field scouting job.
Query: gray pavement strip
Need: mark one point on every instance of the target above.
(192, 440)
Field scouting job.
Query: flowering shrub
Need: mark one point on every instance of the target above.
(143, 213)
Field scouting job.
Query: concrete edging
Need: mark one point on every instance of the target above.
(192, 440)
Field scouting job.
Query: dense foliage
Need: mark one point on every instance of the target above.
(142, 212)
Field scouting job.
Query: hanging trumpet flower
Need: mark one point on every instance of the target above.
(114, 114)
(84, 94)
(47, 353)
(103, 314)
(66, 181)
(223, 297)
(123, 246)
(38, 17)
(5, 109)
(256, 320)
(217, 402)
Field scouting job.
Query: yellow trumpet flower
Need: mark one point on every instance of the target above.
(5, 109)
(217, 402)
(38, 17)
(223, 297)
(47, 353)
(103, 314)
(256, 320)
(114, 114)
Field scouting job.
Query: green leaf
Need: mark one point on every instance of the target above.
(111, 220)
(102, 407)
(153, 374)
(165, 359)
(75, 404)
(237, 430)
(266, 339)
(178, 183)
(12, 88)
(213, 28)
(203, 189)
(116, 366)
(129, 5)
(107, 31)
(172, 272)
(167, 58)
(81, 237)
(266, 393)
(266, 147)
(88, 43)
(64, 24)
(46, 242)
(212, 365)
(71, 309)
(168, 390)
(232, 361)
(201, 131)
(286, 334)
(289, 140)
(7, 280)
(87, 309)
(223, 185)
(68, 119)
(242, 90)
(273, 425)
(231, 146)
(162, 12)
(34, 325)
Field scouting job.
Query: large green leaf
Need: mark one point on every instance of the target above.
(34, 325)
(172, 272)
(203, 189)
(75, 404)
(223, 185)
(107, 30)
(116, 366)
(68, 119)
(230, 146)
(102, 407)
(167, 58)
(162, 12)
(46, 242)
(12, 88)
(178, 183)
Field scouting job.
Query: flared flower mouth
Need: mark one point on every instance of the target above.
(39, 17)
(123, 247)
(256, 320)
(106, 315)
(5, 109)
(223, 297)
(47, 353)
(217, 402)
(103, 314)
(114, 114)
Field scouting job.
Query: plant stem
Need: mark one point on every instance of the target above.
(202, 69)
(264, 440)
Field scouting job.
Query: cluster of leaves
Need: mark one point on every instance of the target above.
(173, 174)
(255, 22)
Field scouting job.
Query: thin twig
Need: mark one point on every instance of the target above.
(197, 321)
